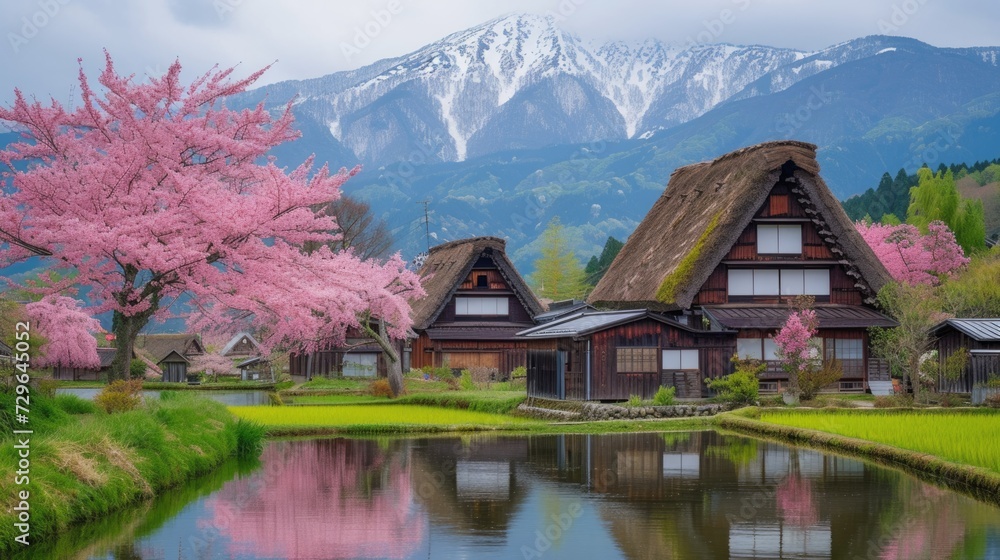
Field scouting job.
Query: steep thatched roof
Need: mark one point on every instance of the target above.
(450, 263)
(703, 211)
(158, 346)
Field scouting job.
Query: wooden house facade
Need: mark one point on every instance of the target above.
(611, 355)
(981, 339)
(476, 303)
(722, 255)
(359, 356)
(172, 353)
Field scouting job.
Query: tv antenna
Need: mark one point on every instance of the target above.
(427, 223)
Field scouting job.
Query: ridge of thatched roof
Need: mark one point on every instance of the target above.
(703, 211)
(158, 346)
(446, 267)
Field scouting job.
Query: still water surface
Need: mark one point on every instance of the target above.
(228, 398)
(699, 495)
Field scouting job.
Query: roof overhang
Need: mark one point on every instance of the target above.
(772, 317)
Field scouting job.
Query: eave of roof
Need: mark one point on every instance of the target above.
(980, 330)
(749, 316)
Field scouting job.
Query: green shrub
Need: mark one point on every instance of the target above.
(739, 388)
(381, 388)
(634, 401)
(894, 401)
(811, 381)
(73, 404)
(992, 401)
(249, 438)
(465, 382)
(519, 371)
(47, 386)
(453, 382)
(275, 399)
(137, 369)
(664, 396)
(120, 396)
(949, 400)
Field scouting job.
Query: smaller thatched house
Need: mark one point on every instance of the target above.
(106, 355)
(171, 353)
(981, 339)
(242, 345)
(722, 253)
(476, 303)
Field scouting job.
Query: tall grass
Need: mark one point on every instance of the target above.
(87, 465)
(968, 437)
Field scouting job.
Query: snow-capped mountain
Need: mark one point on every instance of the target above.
(520, 82)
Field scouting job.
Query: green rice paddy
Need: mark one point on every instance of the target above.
(970, 437)
(375, 416)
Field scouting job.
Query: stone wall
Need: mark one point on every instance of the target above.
(598, 411)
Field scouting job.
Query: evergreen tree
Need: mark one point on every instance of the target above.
(597, 266)
(558, 274)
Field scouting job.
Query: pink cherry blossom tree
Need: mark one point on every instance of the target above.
(912, 257)
(68, 332)
(213, 364)
(153, 191)
(798, 356)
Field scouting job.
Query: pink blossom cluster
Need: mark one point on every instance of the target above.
(155, 190)
(793, 339)
(67, 330)
(912, 257)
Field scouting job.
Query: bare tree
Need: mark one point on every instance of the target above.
(359, 229)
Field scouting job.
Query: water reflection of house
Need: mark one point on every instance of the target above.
(470, 486)
(707, 495)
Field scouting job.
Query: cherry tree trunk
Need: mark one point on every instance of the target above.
(126, 329)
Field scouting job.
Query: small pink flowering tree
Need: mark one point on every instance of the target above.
(68, 332)
(912, 257)
(797, 354)
(212, 364)
(151, 192)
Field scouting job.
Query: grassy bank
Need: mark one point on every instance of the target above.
(496, 402)
(956, 448)
(85, 463)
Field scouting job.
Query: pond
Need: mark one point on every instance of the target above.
(228, 398)
(679, 495)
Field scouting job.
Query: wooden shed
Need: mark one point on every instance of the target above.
(172, 353)
(611, 355)
(981, 339)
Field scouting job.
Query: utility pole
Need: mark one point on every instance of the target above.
(427, 224)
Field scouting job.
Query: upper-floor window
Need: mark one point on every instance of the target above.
(495, 306)
(774, 282)
(779, 239)
(482, 281)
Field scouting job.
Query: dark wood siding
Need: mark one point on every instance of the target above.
(433, 353)
(330, 363)
(494, 280)
(979, 367)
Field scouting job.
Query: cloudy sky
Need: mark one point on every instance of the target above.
(309, 38)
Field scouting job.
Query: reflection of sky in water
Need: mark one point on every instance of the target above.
(549, 497)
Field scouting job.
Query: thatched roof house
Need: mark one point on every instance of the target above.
(172, 353)
(475, 304)
(449, 264)
(722, 254)
(701, 215)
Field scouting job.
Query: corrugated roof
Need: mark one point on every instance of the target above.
(582, 323)
(462, 332)
(770, 317)
(556, 311)
(981, 330)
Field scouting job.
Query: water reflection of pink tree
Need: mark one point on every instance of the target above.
(325, 499)
(795, 501)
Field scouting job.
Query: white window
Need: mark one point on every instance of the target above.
(781, 239)
(680, 359)
(757, 348)
(360, 365)
(481, 306)
(740, 282)
(766, 282)
(817, 282)
(773, 282)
